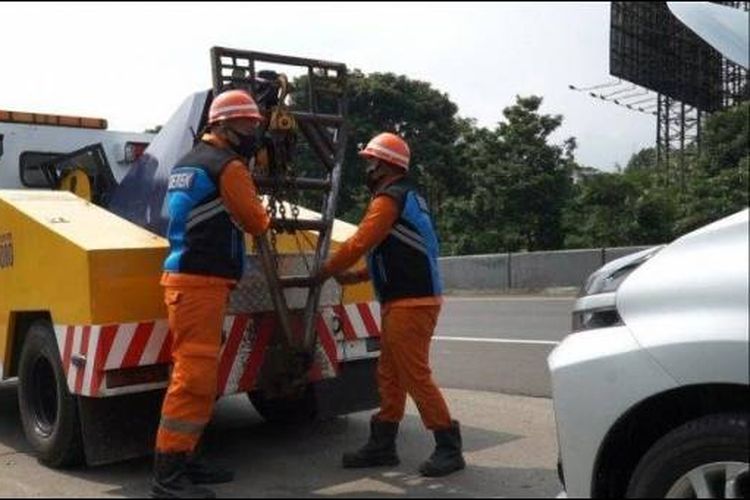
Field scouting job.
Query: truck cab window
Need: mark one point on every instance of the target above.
(53, 171)
(32, 173)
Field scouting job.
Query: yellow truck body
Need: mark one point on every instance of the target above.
(86, 266)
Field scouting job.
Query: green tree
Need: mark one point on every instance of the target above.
(718, 183)
(642, 161)
(726, 139)
(650, 204)
(599, 213)
(509, 188)
(520, 184)
(466, 212)
(614, 209)
(423, 116)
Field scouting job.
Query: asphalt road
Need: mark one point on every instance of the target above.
(483, 347)
(509, 447)
(518, 318)
(499, 344)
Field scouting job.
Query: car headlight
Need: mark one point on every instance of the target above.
(596, 304)
(604, 317)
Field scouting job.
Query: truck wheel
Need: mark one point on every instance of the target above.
(705, 458)
(294, 410)
(49, 412)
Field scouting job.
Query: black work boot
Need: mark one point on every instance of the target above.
(447, 456)
(201, 472)
(171, 479)
(380, 448)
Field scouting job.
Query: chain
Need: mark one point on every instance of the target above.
(294, 198)
(271, 210)
(293, 193)
(301, 251)
(282, 208)
(294, 203)
(295, 212)
(283, 140)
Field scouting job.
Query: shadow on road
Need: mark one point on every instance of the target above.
(11, 433)
(280, 461)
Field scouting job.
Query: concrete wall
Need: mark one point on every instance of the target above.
(536, 270)
(477, 272)
(526, 271)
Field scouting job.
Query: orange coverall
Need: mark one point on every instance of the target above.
(196, 306)
(407, 328)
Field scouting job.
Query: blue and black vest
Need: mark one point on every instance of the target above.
(202, 236)
(405, 264)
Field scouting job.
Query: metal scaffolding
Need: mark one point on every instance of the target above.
(665, 70)
(678, 133)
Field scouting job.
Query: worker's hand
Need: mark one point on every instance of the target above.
(350, 278)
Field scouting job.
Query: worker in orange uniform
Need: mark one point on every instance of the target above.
(212, 201)
(398, 235)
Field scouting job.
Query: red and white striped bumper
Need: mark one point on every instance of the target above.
(89, 352)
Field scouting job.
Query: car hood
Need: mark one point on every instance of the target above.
(689, 303)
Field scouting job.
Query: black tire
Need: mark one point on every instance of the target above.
(711, 439)
(49, 412)
(296, 410)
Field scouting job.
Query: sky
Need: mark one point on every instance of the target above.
(134, 63)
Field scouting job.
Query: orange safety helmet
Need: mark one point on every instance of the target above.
(389, 148)
(233, 104)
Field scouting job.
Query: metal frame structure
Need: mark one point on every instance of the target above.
(650, 47)
(681, 77)
(322, 122)
(679, 126)
(735, 81)
(678, 132)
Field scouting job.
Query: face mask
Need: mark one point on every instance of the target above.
(371, 175)
(247, 144)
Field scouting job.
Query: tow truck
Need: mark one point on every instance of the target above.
(83, 326)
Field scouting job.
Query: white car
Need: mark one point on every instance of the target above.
(651, 390)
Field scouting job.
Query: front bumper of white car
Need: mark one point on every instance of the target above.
(597, 375)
